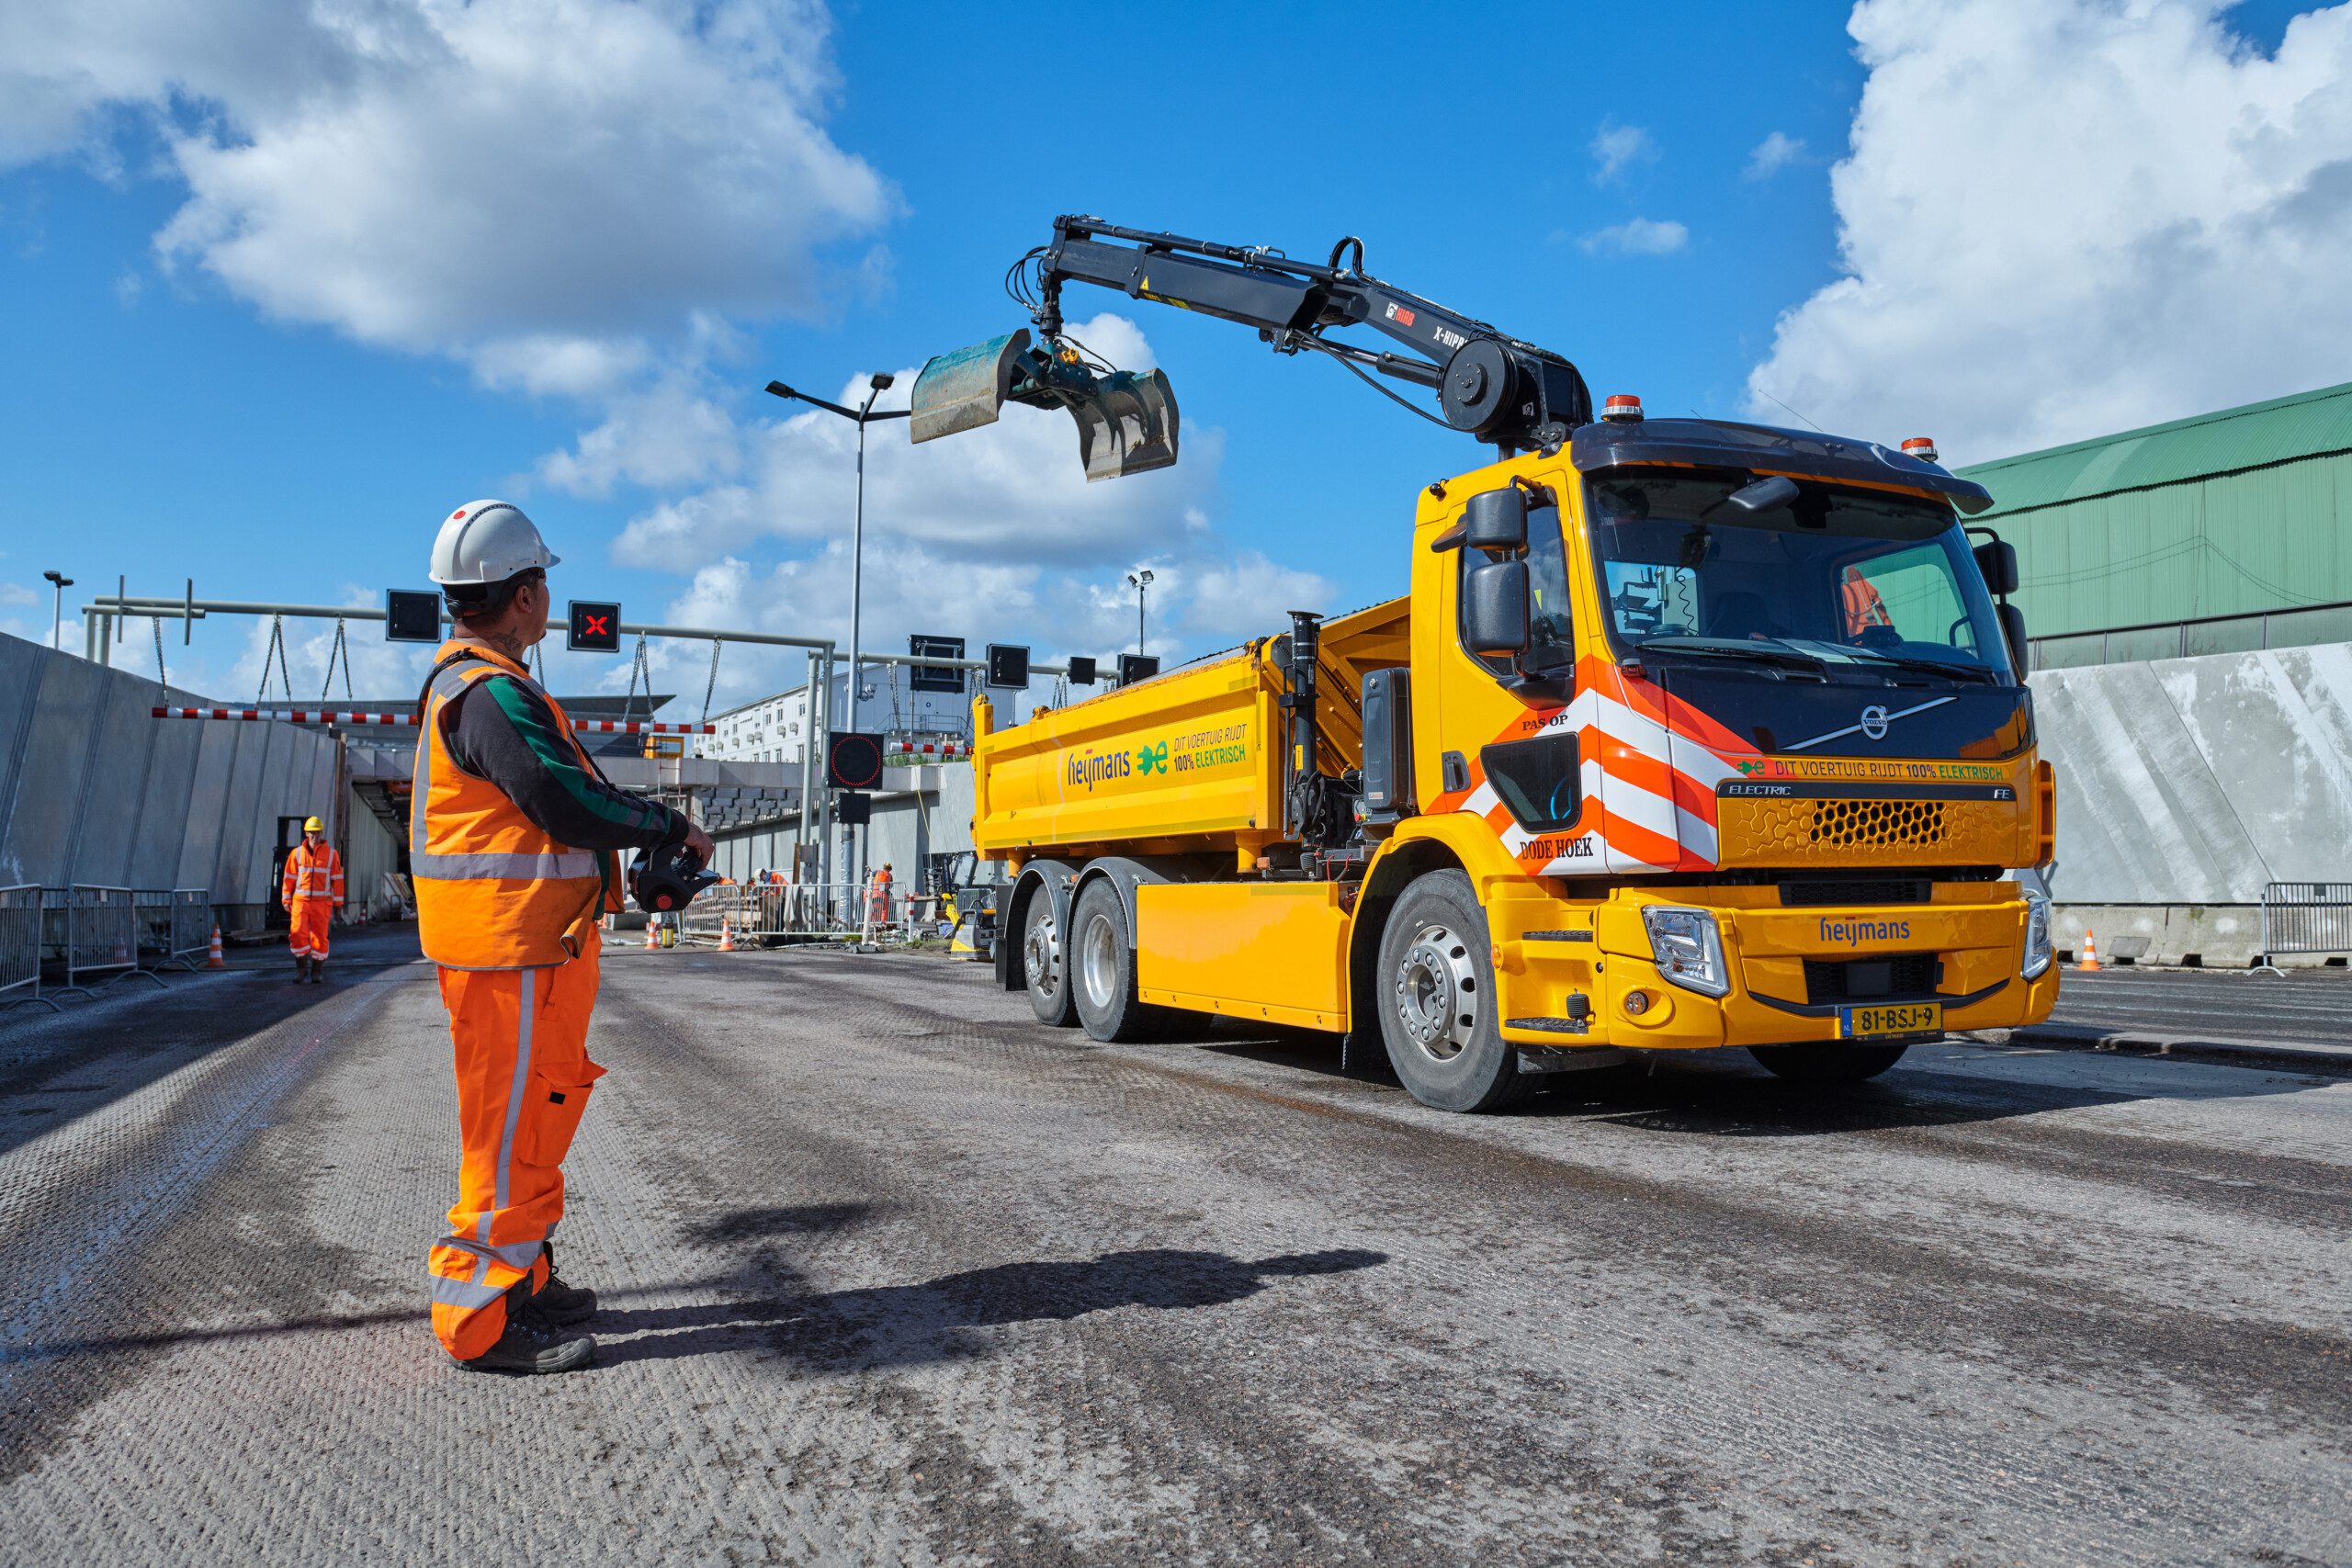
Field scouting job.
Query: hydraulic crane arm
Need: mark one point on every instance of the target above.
(1488, 385)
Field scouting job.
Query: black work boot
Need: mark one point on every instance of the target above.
(531, 1344)
(561, 1304)
(318, 971)
(302, 970)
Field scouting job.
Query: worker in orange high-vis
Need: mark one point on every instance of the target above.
(513, 841)
(311, 892)
(877, 896)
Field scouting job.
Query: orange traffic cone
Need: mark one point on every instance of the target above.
(2090, 963)
(726, 935)
(652, 933)
(216, 961)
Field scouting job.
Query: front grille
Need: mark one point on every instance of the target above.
(1858, 890)
(1847, 823)
(1868, 979)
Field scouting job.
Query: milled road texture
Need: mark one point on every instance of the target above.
(892, 1274)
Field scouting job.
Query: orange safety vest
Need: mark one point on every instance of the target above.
(311, 874)
(493, 891)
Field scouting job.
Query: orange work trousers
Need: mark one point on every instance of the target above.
(306, 931)
(524, 1077)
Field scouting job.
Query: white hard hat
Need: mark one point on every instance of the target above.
(486, 542)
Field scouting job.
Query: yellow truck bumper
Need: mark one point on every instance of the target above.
(1785, 968)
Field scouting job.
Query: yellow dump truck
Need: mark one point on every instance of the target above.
(1687, 734)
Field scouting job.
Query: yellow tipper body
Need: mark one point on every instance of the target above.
(1188, 761)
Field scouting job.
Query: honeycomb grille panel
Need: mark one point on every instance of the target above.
(1876, 822)
(1830, 832)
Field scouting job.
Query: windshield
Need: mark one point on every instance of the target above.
(1837, 576)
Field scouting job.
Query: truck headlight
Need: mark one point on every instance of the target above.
(2038, 951)
(1688, 948)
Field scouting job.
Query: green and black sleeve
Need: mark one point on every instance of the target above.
(507, 734)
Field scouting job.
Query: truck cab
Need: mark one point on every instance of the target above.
(1689, 734)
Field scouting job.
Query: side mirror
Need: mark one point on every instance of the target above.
(2013, 629)
(1764, 495)
(1496, 520)
(1494, 606)
(1997, 560)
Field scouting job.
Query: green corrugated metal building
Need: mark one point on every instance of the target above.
(2212, 534)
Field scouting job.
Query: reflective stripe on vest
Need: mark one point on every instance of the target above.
(493, 891)
(312, 877)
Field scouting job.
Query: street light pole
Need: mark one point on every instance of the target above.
(1139, 582)
(57, 614)
(860, 416)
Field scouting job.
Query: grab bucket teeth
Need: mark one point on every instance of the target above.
(1128, 426)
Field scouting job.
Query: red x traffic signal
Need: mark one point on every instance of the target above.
(595, 628)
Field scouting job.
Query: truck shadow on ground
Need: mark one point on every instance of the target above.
(1724, 1094)
(777, 1313)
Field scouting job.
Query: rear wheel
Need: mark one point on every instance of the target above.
(1437, 1002)
(1826, 1062)
(1043, 964)
(1103, 970)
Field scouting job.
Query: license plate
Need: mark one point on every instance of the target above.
(1910, 1018)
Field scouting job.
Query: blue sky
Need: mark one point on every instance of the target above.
(197, 384)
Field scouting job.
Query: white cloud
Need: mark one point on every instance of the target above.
(1616, 148)
(1638, 237)
(672, 433)
(1772, 154)
(2061, 218)
(17, 593)
(539, 184)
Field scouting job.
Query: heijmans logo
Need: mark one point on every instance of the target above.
(1088, 770)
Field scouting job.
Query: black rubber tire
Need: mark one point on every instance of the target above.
(1437, 970)
(1100, 963)
(1048, 982)
(1826, 1061)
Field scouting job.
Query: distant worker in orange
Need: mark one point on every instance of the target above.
(311, 891)
(877, 896)
(513, 835)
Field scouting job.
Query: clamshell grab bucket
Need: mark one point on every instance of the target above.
(1127, 420)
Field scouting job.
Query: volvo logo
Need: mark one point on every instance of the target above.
(1874, 722)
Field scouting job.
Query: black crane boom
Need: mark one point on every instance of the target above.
(1490, 385)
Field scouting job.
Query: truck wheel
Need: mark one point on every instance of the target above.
(1103, 970)
(1826, 1062)
(1044, 965)
(1437, 999)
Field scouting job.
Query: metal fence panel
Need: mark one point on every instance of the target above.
(20, 946)
(2306, 916)
(175, 925)
(101, 933)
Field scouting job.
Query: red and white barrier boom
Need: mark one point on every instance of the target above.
(408, 720)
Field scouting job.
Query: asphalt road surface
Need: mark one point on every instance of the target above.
(894, 1275)
(2305, 1006)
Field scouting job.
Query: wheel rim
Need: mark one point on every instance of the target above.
(1040, 958)
(1098, 962)
(1437, 994)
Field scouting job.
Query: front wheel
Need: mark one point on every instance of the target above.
(1438, 1002)
(1042, 964)
(1826, 1062)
